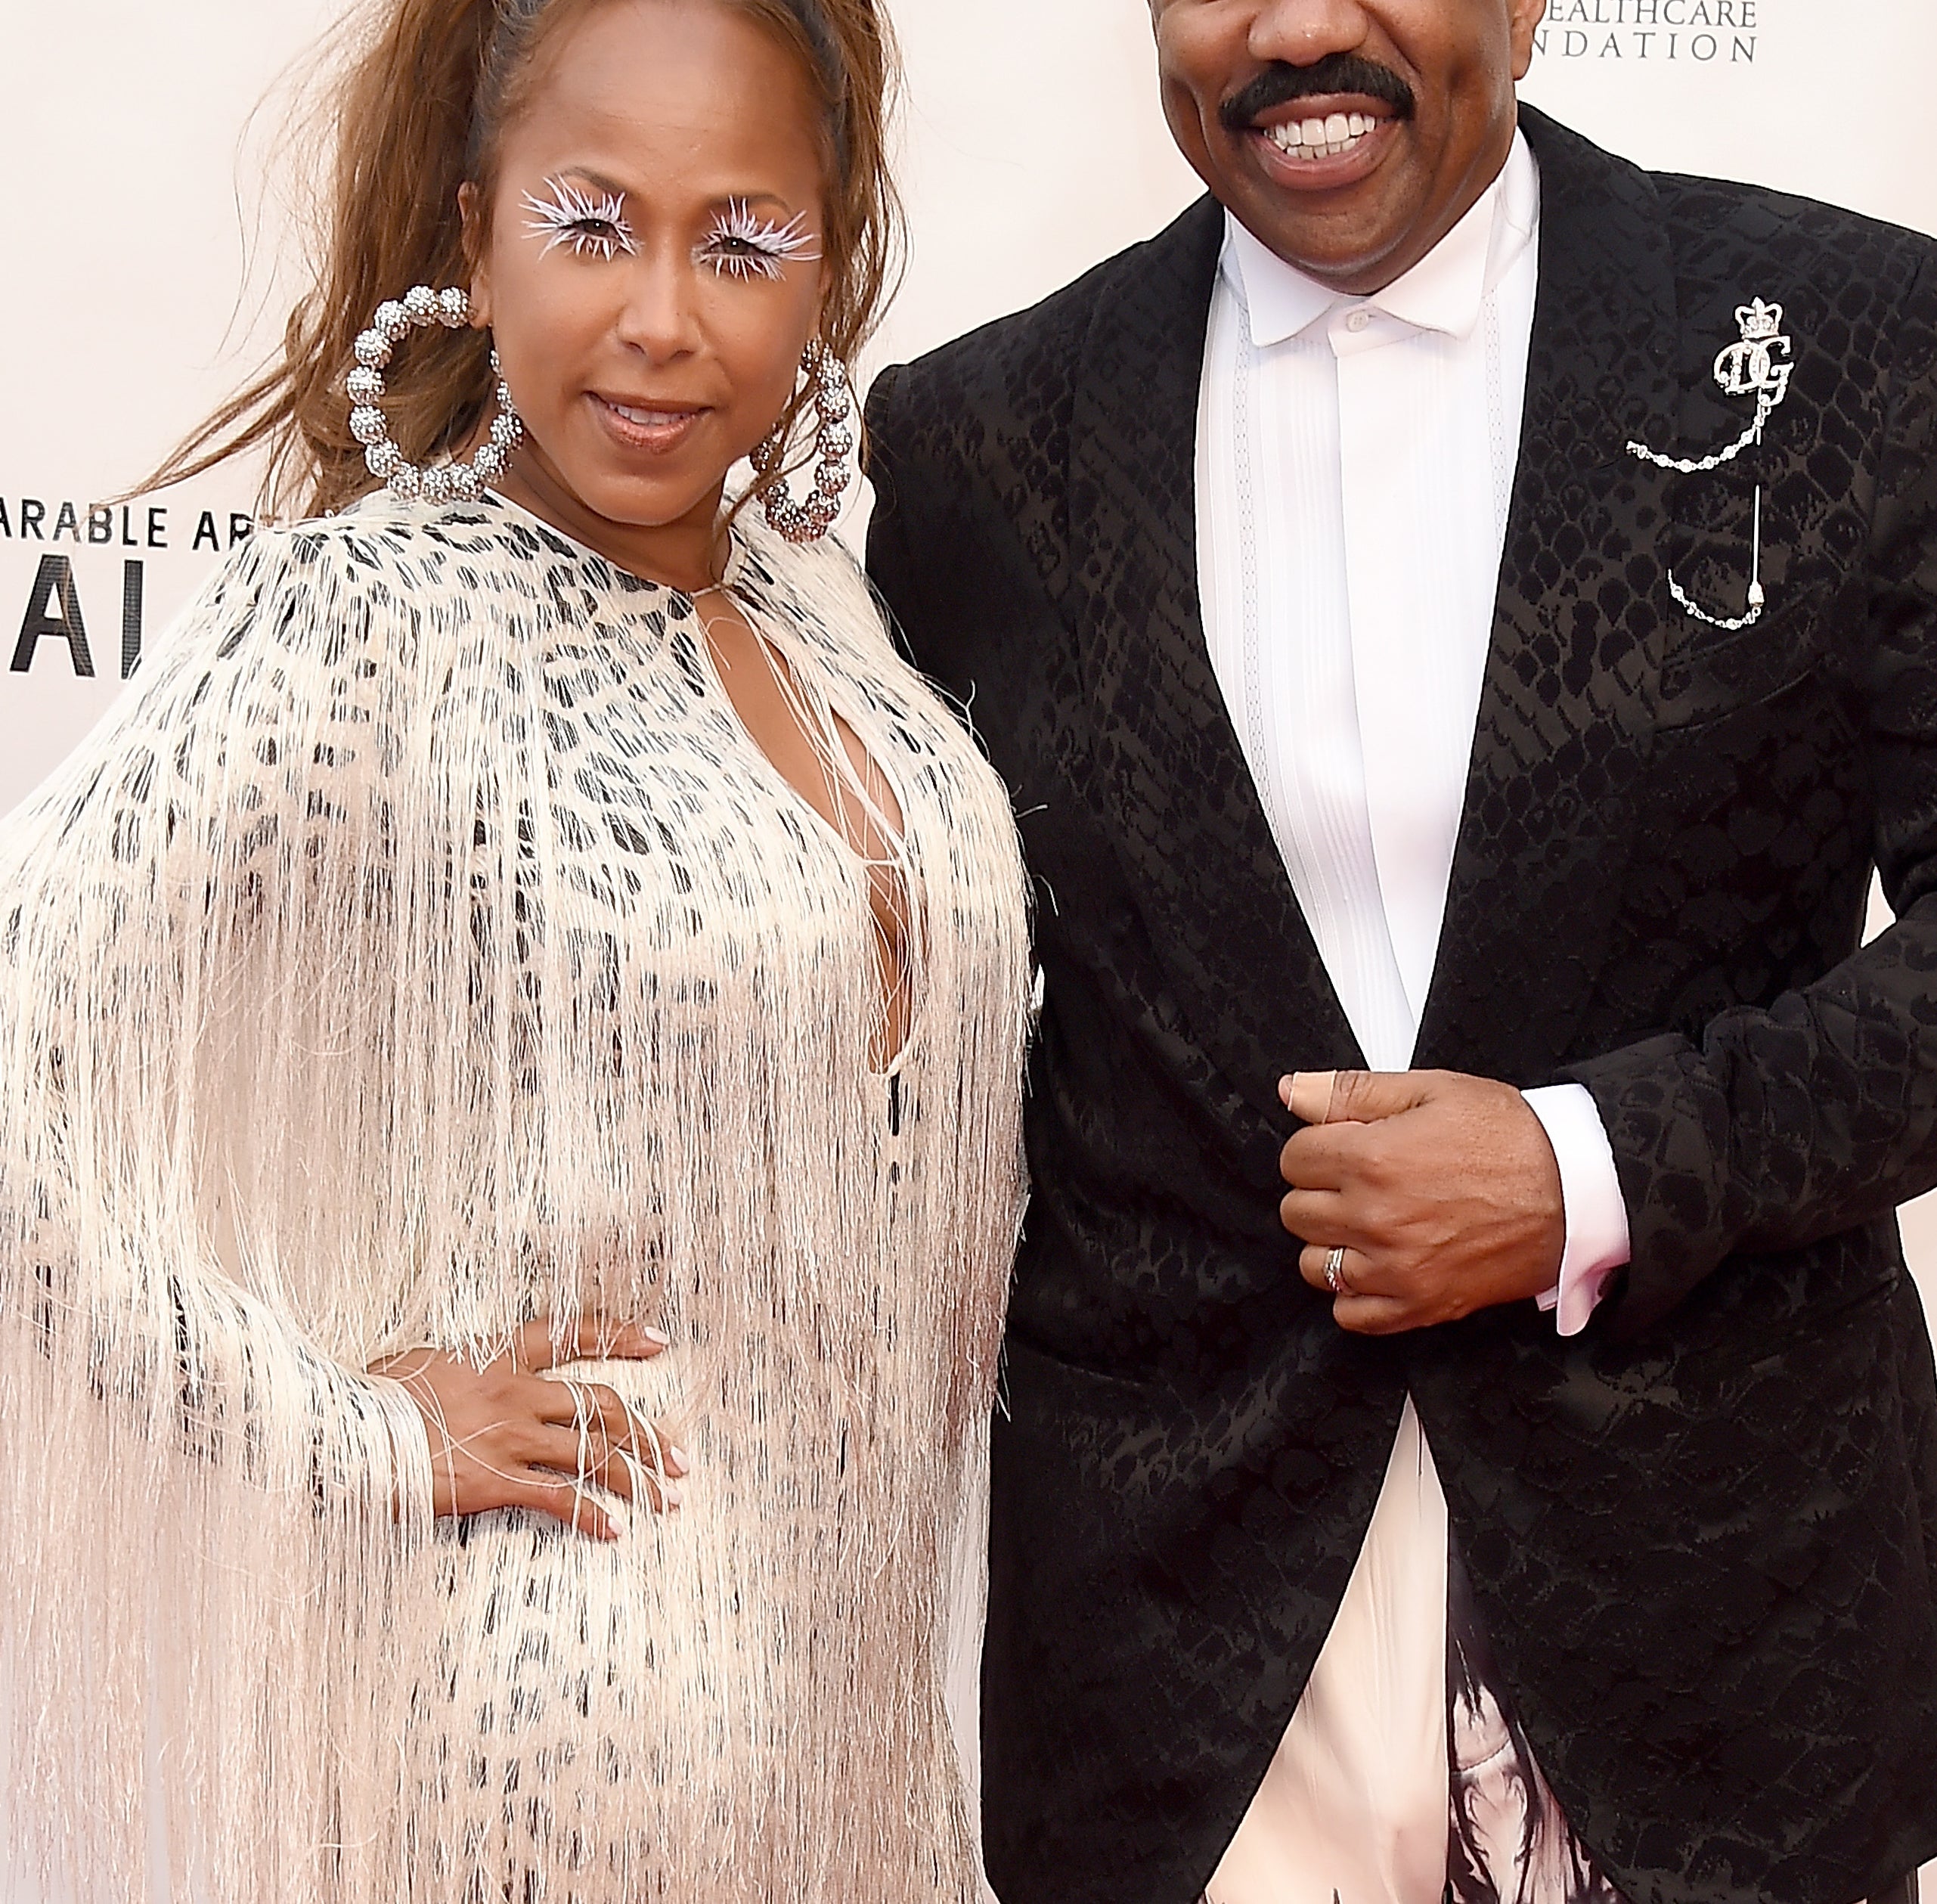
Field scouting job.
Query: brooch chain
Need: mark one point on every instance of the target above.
(1759, 365)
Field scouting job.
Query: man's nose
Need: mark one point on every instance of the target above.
(1301, 32)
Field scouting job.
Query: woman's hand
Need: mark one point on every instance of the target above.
(502, 1436)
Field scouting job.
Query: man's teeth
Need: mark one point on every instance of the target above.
(1321, 138)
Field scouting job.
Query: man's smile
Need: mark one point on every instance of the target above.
(1320, 138)
(1322, 144)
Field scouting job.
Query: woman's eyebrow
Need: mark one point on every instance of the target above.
(594, 177)
(728, 200)
(723, 202)
(601, 182)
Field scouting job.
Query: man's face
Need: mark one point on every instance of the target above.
(1350, 135)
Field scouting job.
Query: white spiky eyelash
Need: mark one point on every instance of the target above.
(562, 219)
(773, 245)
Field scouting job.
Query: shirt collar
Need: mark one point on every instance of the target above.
(1445, 291)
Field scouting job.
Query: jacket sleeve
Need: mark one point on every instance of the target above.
(891, 563)
(1781, 1126)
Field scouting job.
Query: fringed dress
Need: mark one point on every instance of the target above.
(425, 947)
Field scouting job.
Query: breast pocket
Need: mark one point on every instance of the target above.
(1756, 813)
(1708, 675)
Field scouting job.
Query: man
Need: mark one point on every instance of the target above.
(1456, 607)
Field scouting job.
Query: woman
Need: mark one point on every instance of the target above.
(510, 1053)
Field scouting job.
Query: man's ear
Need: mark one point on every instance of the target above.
(470, 209)
(1526, 17)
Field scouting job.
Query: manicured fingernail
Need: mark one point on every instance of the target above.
(657, 1335)
(1309, 1099)
(1284, 1088)
(676, 1457)
(669, 1493)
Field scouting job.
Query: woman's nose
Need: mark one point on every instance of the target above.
(660, 315)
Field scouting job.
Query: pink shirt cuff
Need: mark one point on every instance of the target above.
(1596, 1217)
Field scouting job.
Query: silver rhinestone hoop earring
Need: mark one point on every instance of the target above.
(809, 521)
(445, 482)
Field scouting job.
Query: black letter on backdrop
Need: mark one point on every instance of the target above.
(54, 608)
(131, 580)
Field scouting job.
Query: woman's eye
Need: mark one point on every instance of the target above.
(595, 234)
(592, 225)
(733, 256)
(743, 244)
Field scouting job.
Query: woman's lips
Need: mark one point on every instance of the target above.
(654, 427)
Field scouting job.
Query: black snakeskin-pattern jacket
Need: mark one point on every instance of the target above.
(1704, 1534)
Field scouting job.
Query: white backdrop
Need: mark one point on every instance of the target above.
(1033, 148)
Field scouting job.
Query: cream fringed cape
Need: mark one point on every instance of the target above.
(426, 947)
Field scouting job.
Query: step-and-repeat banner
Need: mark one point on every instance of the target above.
(147, 232)
(148, 239)
(147, 236)
(147, 243)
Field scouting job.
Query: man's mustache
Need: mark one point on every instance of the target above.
(1280, 84)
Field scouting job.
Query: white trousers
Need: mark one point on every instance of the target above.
(1355, 1805)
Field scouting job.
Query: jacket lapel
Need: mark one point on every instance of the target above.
(1567, 705)
(1188, 824)
(1567, 708)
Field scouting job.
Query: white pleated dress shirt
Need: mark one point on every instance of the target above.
(1355, 463)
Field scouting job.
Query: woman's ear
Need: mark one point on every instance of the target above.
(471, 211)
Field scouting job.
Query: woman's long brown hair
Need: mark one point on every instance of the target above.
(421, 109)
